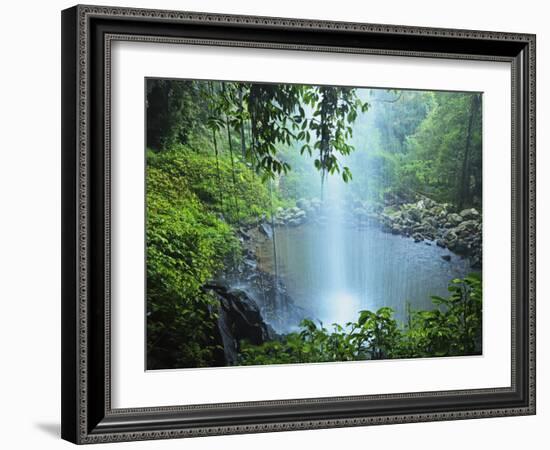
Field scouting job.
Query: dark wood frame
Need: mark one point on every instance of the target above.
(87, 32)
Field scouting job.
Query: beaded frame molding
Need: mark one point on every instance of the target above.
(87, 35)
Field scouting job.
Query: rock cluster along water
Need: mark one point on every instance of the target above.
(429, 221)
(423, 220)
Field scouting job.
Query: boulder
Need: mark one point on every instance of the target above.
(415, 214)
(461, 247)
(466, 228)
(396, 229)
(475, 262)
(266, 229)
(417, 237)
(429, 203)
(454, 219)
(239, 318)
(430, 221)
(470, 213)
(450, 239)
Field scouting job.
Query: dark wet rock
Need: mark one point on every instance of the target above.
(250, 262)
(446, 257)
(266, 229)
(475, 262)
(461, 247)
(239, 318)
(417, 237)
(242, 233)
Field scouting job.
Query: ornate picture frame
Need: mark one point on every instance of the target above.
(88, 33)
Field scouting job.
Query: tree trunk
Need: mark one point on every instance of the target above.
(243, 141)
(465, 173)
(232, 162)
(215, 142)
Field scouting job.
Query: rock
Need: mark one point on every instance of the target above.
(429, 203)
(475, 262)
(469, 214)
(251, 263)
(461, 247)
(454, 219)
(426, 220)
(446, 257)
(243, 234)
(430, 221)
(417, 237)
(450, 239)
(466, 227)
(426, 227)
(239, 319)
(415, 214)
(266, 229)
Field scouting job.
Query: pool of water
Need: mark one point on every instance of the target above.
(334, 272)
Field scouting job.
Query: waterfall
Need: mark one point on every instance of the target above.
(340, 303)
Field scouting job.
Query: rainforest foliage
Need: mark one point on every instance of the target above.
(223, 155)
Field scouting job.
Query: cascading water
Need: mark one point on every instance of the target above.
(338, 304)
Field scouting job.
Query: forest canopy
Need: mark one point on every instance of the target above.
(422, 141)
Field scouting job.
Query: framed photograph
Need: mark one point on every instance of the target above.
(279, 224)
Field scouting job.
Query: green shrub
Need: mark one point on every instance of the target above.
(231, 190)
(186, 246)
